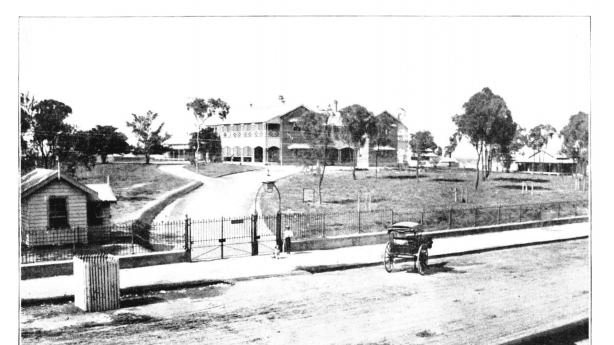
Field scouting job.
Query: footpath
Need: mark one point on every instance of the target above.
(181, 275)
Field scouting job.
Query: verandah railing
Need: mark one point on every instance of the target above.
(135, 238)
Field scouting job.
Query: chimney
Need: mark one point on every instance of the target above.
(336, 106)
(58, 170)
(108, 180)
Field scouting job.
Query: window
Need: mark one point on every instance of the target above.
(58, 214)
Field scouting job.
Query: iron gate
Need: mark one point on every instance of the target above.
(230, 237)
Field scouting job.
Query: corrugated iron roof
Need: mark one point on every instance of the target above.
(105, 193)
(38, 178)
(35, 177)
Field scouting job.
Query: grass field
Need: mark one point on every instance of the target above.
(134, 184)
(399, 190)
(221, 169)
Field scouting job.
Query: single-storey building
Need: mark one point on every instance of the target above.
(56, 209)
(544, 162)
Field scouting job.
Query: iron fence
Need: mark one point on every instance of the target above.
(224, 237)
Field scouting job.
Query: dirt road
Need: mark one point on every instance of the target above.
(473, 299)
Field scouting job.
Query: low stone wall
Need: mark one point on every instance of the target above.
(382, 236)
(151, 210)
(65, 267)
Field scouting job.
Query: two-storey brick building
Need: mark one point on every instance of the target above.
(273, 135)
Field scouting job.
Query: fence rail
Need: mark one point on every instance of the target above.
(224, 237)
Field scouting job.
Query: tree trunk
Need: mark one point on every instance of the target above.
(355, 163)
(146, 158)
(376, 157)
(197, 148)
(320, 182)
(477, 168)
(418, 167)
(103, 158)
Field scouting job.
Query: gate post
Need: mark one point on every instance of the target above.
(475, 217)
(359, 221)
(188, 240)
(255, 236)
(278, 230)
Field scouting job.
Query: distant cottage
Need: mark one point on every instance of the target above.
(56, 209)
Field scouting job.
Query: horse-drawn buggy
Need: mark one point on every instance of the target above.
(406, 240)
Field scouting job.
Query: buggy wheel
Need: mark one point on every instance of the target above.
(388, 258)
(422, 259)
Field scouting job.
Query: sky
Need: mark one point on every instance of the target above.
(109, 68)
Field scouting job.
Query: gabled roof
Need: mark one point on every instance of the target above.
(543, 157)
(39, 178)
(254, 114)
(394, 118)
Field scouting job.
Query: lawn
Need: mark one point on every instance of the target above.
(400, 191)
(134, 185)
(221, 169)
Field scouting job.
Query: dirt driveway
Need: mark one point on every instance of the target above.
(474, 299)
(227, 196)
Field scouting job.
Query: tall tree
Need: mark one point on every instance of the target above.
(209, 140)
(74, 148)
(506, 153)
(202, 111)
(453, 142)
(419, 143)
(503, 133)
(576, 140)
(482, 112)
(47, 125)
(356, 121)
(151, 139)
(28, 155)
(317, 133)
(539, 136)
(105, 140)
(380, 132)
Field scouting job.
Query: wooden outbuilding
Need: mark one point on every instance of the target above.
(56, 209)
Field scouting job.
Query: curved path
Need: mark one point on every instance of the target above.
(228, 196)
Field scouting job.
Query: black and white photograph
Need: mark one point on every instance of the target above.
(304, 179)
